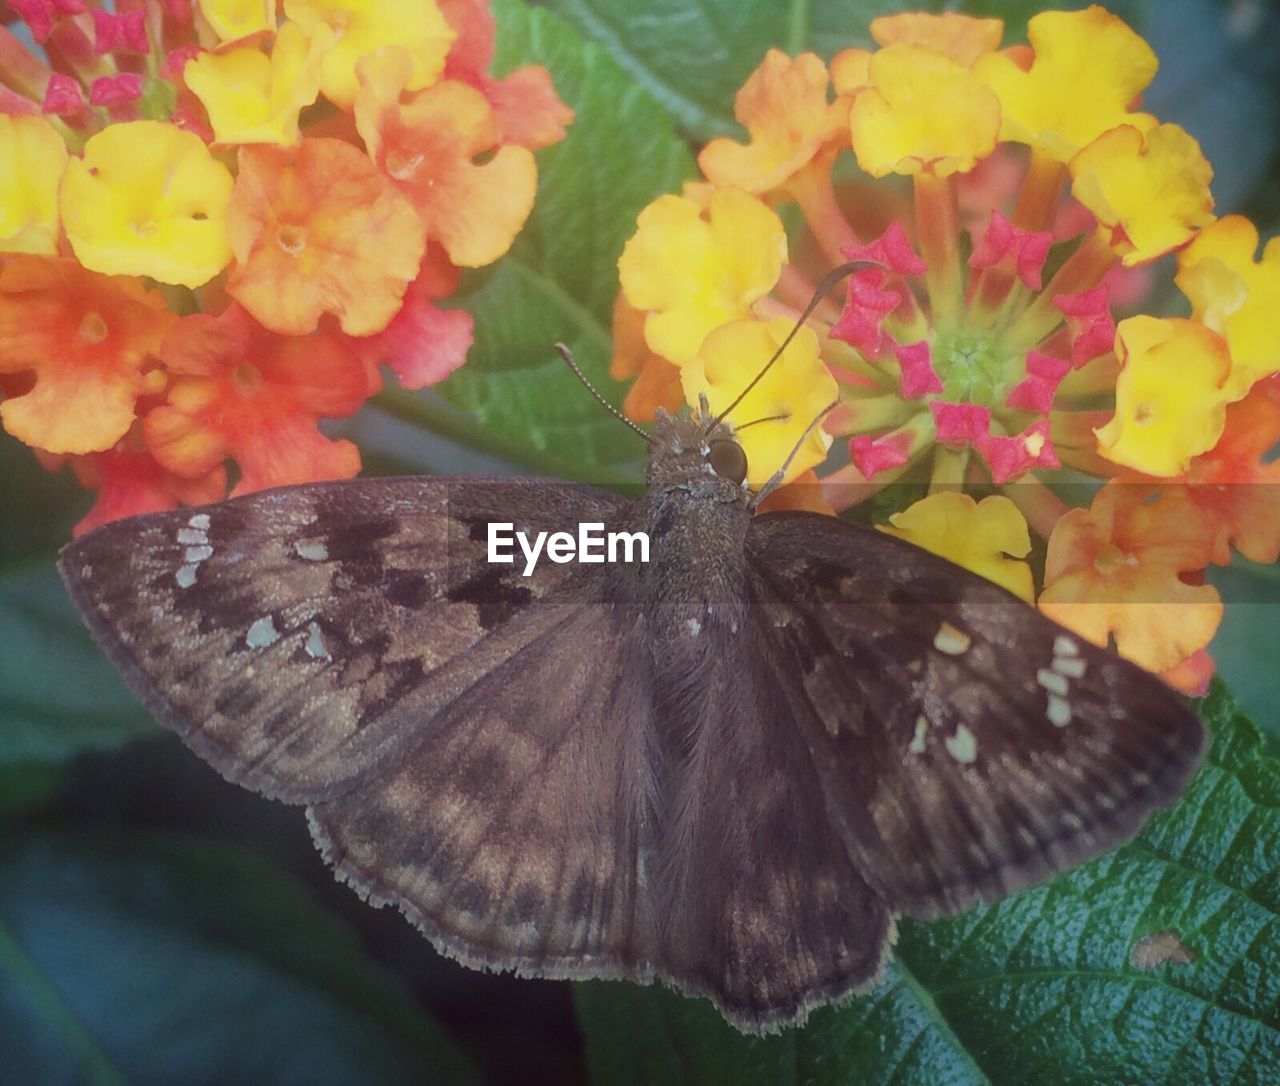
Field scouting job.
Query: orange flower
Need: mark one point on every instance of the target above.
(423, 344)
(525, 104)
(129, 481)
(87, 339)
(784, 108)
(427, 146)
(1118, 568)
(244, 392)
(963, 38)
(1237, 487)
(317, 229)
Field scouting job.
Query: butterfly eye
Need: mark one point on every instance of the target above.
(728, 460)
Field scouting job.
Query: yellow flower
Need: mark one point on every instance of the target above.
(1170, 399)
(922, 113)
(361, 27)
(986, 537)
(797, 386)
(1235, 296)
(148, 199)
(32, 158)
(1149, 192)
(253, 99)
(235, 19)
(1089, 66)
(696, 273)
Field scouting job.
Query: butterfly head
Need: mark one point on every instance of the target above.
(699, 455)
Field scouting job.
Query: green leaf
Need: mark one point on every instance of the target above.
(1039, 988)
(156, 960)
(560, 279)
(693, 57)
(1244, 646)
(58, 694)
(27, 787)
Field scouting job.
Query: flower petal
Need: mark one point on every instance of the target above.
(251, 98)
(922, 113)
(362, 27)
(32, 159)
(148, 199)
(986, 537)
(1149, 192)
(1170, 396)
(1235, 296)
(1089, 67)
(697, 273)
(86, 337)
(427, 146)
(784, 107)
(317, 229)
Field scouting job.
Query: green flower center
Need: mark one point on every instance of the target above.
(969, 367)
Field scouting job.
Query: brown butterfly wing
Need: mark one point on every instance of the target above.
(510, 831)
(968, 746)
(297, 639)
(764, 911)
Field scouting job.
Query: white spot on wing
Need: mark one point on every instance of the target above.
(187, 536)
(312, 550)
(186, 576)
(1059, 711)
(1072, 667)
(693, 626)
(1052, 681)
(262, 633)
(962, 746)
(951, 641)
(200, 522)
(197, 554)
(316, 648)
(918, 740)
(1064, 646)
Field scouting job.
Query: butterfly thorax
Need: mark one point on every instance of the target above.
(696, 520)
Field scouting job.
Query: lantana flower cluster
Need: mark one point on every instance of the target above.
(218, 220)
(1010, 200)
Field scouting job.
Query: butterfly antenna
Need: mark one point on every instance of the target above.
(819, 292)
(776, 480)
(567, 355)
(757, 422)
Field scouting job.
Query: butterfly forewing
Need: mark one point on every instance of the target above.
(296, 638)
(973, 747)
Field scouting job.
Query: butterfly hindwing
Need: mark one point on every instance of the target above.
(510, 831)
(971, 747)
(297, 638)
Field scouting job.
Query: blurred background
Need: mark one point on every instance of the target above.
(159, 925)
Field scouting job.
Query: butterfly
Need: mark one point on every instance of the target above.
(730, 767)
